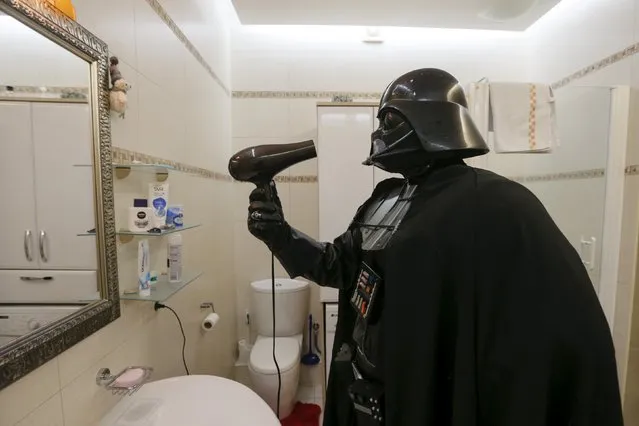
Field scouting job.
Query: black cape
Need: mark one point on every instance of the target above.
(490, 318)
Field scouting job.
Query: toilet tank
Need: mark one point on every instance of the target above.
(291, 306)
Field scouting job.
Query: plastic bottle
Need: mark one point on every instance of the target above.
(174, 259)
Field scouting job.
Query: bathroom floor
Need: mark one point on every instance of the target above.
(312, 395)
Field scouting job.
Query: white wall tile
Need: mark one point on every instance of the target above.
(629, 231)
(48, 414)
(80, 357)
(206, 24)
(302, 119)
(273, 72)
(83, 401)
(318, 58)
(114, 22)
(260, 118)
(160, 53)
(578, 33)
(28, 393)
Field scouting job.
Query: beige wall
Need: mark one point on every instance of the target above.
(178, 111)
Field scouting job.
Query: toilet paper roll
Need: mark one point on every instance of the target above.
(209, 322)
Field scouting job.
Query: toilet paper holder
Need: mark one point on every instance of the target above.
(206, 305)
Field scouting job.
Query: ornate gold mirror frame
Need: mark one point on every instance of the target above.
(27, 353)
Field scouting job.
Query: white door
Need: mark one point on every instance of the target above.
(344, 182)
(64, 193)
(343, 143)
(379, 174)
(17, 223)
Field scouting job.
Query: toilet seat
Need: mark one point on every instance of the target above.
(287, 352)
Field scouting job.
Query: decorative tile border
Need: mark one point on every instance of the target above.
(45, 91)
(157, 8)
(549, 177)
(296, 179)
(305, 95)
(598, 66)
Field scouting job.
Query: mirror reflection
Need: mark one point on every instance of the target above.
(47, 271)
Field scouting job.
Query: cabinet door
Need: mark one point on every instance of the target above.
(64, 193)
(43, 286)
(330, 327)
(17, 188)
(379, 174)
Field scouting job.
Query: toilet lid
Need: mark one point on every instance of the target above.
(287, 352)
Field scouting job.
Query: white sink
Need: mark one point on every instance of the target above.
(192, 401)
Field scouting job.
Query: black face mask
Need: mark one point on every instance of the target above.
(396, 148)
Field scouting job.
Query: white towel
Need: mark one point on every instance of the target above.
(523, 117)
(478, 95)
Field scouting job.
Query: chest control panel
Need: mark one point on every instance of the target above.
(366, 288)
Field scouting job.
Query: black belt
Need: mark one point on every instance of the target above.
(368, 401)
(366, 395)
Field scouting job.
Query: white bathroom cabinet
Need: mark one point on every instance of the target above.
(46, 200)
(330, 326)
(343, 143)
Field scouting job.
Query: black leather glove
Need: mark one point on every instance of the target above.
(266, 218)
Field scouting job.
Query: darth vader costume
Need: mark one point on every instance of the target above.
(461, 303)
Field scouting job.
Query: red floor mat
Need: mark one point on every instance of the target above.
(303, 415)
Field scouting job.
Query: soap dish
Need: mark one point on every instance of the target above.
(126, 382)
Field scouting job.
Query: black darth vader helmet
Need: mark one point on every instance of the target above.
(423, 117)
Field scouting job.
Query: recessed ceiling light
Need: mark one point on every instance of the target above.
(373, 35)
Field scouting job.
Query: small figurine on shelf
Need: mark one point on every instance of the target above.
(119, 88)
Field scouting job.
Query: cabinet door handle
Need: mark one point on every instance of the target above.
(27, 245)
(36, 278)
(43, 238)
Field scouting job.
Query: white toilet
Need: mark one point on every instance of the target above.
(291, 311)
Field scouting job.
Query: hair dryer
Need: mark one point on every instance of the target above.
(259, 164)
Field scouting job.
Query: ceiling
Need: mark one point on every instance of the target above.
(511, 15)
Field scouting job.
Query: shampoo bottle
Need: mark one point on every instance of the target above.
(144, 276)
(175, 258)
(158, 200)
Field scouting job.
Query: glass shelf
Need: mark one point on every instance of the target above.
(163, 289)
(123, 170)
(145, 234)
(153, 168)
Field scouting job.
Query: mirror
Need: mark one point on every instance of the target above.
(58, 277)
(47, 271)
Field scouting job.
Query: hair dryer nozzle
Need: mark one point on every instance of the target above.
(259, 164)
